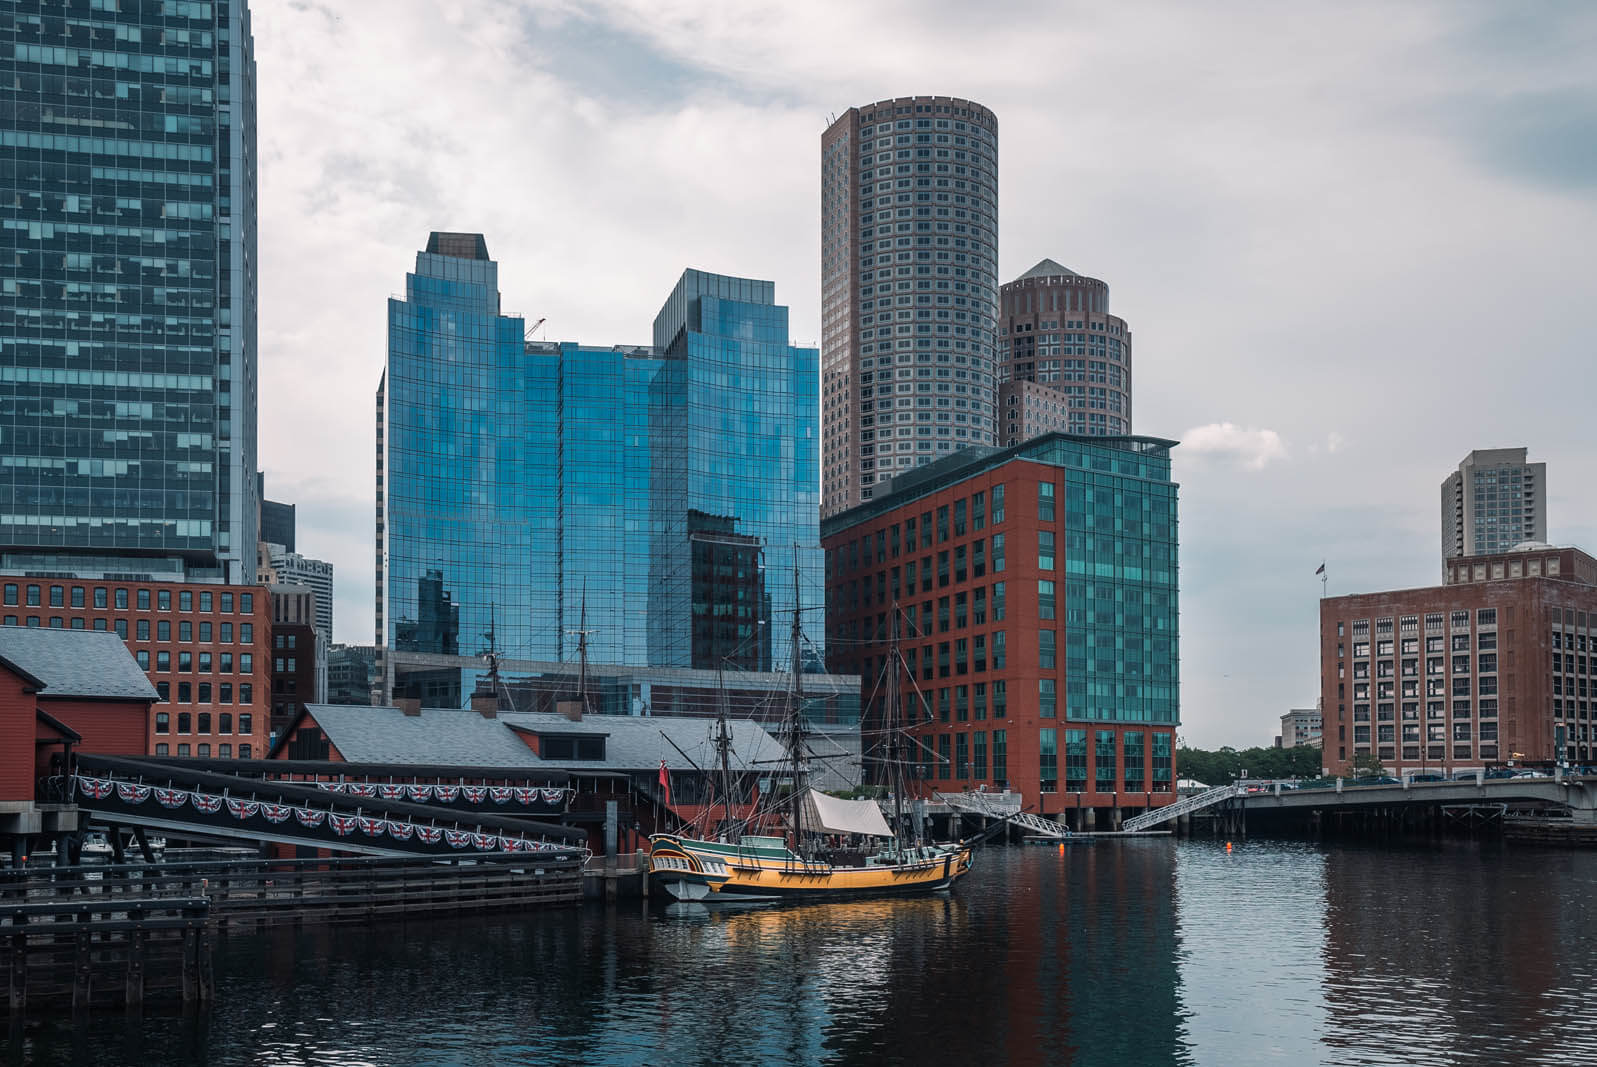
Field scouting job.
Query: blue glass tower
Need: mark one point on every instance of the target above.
(656, 497)
(128, 288)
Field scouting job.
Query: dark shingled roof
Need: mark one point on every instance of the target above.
(76, 663)
(464, 738)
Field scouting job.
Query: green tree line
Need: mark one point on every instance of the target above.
(1227, 764)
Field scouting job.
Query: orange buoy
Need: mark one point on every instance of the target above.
(1228, 846)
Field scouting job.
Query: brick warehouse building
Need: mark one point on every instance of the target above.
(1036, 594)
(206, 649)
(1493, 665)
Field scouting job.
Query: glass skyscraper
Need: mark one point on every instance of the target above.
(655, 496)
(128, 288)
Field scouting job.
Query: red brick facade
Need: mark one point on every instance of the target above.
(206, 648)
(1476, 672)
(970, 616)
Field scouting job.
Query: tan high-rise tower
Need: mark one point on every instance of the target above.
(909, 289)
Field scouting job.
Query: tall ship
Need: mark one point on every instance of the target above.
(832, 849)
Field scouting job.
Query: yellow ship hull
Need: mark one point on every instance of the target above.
(732, 872)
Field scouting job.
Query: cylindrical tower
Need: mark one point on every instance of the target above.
(909, 289)
(1064, 362)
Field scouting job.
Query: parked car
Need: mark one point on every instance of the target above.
(1500, 772)
(1428, 777)
(1377, 780)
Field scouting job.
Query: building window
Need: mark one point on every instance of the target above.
(1045, 501)
(1045, 550)
(244, 752)
(1047, 650)
(1045, 599)
(1104, 761)
(162, 749)
(163, 722)
(185, 600)
(998, 517)
(1047, 701)
(144, 599)
(1131, 750)
(1000, 741)
(246, 723)
(224, 723)
(185, 723)
(1048, 760)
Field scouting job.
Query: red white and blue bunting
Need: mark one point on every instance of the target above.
(342, 825)
(448, 794)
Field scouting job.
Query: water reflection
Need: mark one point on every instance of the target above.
(1115, 953)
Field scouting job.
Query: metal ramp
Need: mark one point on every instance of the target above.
(1185, 805)
(979, 804)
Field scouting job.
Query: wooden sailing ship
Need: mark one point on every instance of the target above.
(758, 867)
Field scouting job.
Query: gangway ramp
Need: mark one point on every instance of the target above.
(980, 804)
(1185, 806)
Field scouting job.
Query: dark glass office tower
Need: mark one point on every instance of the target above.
(656, 496)
(128, 288)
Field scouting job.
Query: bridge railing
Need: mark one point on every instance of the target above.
(1184, 806)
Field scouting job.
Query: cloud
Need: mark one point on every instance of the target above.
(1329, 219)
(1249, 448)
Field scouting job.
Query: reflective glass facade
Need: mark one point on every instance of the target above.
(545, 488)
(128, 290)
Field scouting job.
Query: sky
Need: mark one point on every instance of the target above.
(1353, 241)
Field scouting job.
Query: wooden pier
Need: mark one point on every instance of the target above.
(93, 936)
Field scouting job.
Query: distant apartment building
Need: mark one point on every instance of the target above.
(909, 284)
(1494, 501)
(1064, 362)
(1299, 727)
(650, 501)
(1033, 593)
(291, 568)
(299, 658)
(1493, 665)
(204, 647)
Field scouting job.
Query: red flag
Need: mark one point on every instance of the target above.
(665, 783)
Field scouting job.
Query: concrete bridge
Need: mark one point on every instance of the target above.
(1578, 794)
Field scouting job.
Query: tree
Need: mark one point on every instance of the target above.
(1367, 763)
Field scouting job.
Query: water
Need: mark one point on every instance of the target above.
(1143, 952)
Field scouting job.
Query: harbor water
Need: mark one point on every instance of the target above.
(1119, 952)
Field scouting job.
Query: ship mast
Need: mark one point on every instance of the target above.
(723, 746)
(894, 747)
(796, 714)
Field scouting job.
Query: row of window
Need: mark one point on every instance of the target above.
(203, 749)
(190, 723)
(200, 692)
(59, 596)
(1458, 620)
(953, 520)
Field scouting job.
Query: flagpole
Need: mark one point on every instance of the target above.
(1324, 578)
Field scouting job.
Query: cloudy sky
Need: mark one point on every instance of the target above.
(1353, 240)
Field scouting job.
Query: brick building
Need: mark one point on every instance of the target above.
(204, 647)
(297, 664)
(1035, 595)
(1493, 665)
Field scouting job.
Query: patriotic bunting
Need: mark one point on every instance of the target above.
(420, 793)
(370, 827)
(499, 794)
(342, 825)
(129, 793)
(552, 796)
(244, 809)
(400, 831)
(276, 812)
(525, 796)
(428, 835)
(95, 788)
(473, 794)
(205, 803)
(171, 799)
(332, 787)
(446, 794)
(360, 789)
(309, 818)
(391, 792)
(485, 842)
(457, 838)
